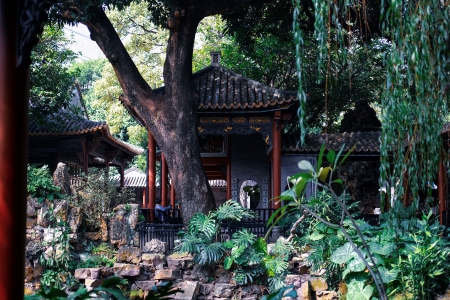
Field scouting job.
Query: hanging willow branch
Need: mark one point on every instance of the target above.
(415, 100)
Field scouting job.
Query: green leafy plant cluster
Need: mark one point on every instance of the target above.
(110, 289)
(96, 261)
(57, 259)
(405, 256)
(40, 184)
(243, 253)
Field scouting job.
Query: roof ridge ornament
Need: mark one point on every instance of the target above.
(215, 58)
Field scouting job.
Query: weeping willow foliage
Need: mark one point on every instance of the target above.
(415, 98)
(328, 31)
(414, 102)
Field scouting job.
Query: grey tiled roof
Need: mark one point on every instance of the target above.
(221, 88)
(366, 142)
(65, 126)
(133, 177)
(79, 126)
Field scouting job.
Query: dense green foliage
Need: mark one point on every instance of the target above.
(243, 253)
(40, 184)
(418, 74)
(269, 57)
(406, 258)
(51, 83)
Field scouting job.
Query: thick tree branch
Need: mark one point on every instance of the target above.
(136, 90)
(209, 8)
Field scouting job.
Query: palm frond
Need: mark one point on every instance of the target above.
(233, 211)
(202, 224)
(243, 238)
(210, 254)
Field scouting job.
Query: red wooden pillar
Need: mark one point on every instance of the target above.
(151, 173)
(276, 156)
(172, 194)
(229, 169)
(442, 189)
(163, 180)
(13, 155)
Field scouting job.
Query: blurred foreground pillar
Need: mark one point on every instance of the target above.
(13, 155)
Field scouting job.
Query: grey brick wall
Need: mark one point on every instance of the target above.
(249, 162)
(289, 167)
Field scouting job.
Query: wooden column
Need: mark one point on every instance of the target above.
(229, 169)
(172, 194)
(163, 180)
(442, 190)
(151, 173)
(85, 157)
(276, 155)
(13, 155)
(122, 176)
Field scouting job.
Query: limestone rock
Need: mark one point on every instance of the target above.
(31, 222)
(93, 283)
(318, 284)
(179, 263)
(123, 224)
(446, 295)
(84, 273)
(155, 246)
(190, 290)
(38, 268)
(33, 249)
(206, 289)
(104, 229)
(126, 269)
(223, 276)
(304, 292)
(42, 213)
(129, 254)
(75, 218)
(203, 273)
(224, 290)
(326, 295)
(295, 280)
(52, 235)
(34, 234)
(61, 179)
(167, 274)
(93, 236)
(154, 259)
(145, 285)
(61, 210)
(29, 271)
(31, 206)
(106, 271)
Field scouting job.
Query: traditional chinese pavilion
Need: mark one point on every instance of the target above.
(80, 144)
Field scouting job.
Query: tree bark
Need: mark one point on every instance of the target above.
(172, 117)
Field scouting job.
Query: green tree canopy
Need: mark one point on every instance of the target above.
(51, 81)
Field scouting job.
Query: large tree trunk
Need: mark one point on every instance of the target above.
(172, 117)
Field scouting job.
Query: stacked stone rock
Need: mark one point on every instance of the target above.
(151, 266)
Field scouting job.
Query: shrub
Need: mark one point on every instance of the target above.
(244, 253)
(40, 183)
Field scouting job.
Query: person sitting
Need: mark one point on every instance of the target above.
(161, 212)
